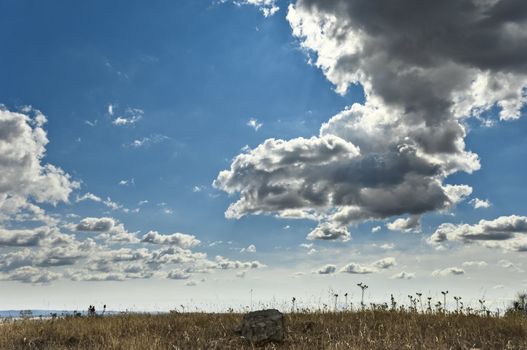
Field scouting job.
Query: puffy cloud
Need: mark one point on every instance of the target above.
(376, 266)
(29, 274)
(413, 223)
(178, 275)
(456, 271)
(25, 179)
(376, 229)
(385, 263)
(23, 238)
(507, 232)
(108, 228)
(326, 269)
(480, 203)
(403, 275)
(176, 239)
(250, 249)
(329, 231)
(421, 78)
(226, 264)
(355, 268)
(96, 224)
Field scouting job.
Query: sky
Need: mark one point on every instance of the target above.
(206, 154)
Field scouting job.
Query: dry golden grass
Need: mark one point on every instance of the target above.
(345, 330)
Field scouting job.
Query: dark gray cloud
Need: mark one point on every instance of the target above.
(507, 232)
(424, 67)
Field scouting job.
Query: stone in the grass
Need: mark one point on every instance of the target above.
(263, 326)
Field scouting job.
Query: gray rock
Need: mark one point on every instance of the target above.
(263, 326)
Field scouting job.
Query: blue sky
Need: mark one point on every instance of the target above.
(147, 103)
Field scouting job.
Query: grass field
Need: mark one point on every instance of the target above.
(342, 330)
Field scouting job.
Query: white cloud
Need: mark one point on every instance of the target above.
(181, 240)
(109, 229)
(108, 202)
(474, 264)
(127, 182)
(326, 269)
(355, 268)
(410, 224)
(178, 275)
(385, 263)
(223, 263)
(329, 231)
(26, 181)
(23, 238)
(480, 203)
(131, 117)
(250, 249)
(456, 271)
(29, 274)
(148, 141)
(88, 196)
(377, 266)
(403, 275)
(253, 123)
(507, 232)
(376, 229)
(389, 156)
(267, 7)
(506, 264)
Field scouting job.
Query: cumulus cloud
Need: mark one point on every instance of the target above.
(178, 275)
(26, 180)
(23, 238)
(456, 271)
(413, 223)
(329, 231)
(108, 228)
(223, 263)
(507, 232)
(250, 249)
(388, 156)
(480, 203)
(385, 263)
(377, 266)
(29, 274)
(181, 240)
(421, 79)
(326, 269)
(403, 275)
(355, 268)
